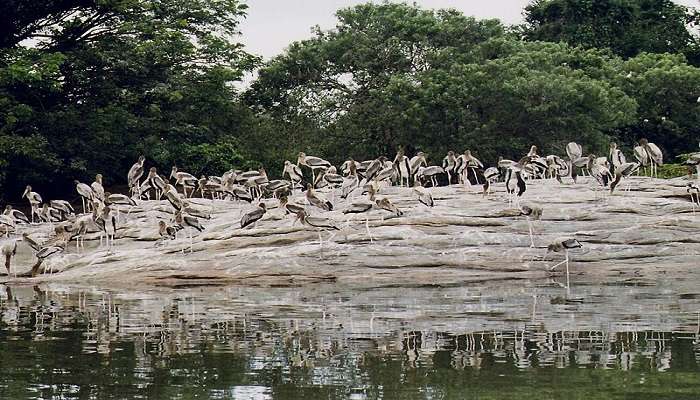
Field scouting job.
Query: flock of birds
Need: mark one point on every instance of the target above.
(101, 209)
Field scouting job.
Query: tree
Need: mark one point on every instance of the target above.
(627, 27)
(393, 74)
(87, 86)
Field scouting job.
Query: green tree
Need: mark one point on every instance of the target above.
(627, 27)
(87, 86)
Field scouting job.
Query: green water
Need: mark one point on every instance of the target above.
(65, 343)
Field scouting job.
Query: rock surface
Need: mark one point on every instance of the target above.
(646, 233)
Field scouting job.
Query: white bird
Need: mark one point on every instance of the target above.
(623, 171)
(617, 158)
(656, 157)
(64, 207)
(97, 189)
(293, 172)
(187, 181)
(424, 197)
(16, 215)
(531, 213)
(34, 200)
(318, 223)
(574, 151)
(466, 163)
(694, 192)
(350, 183)
(7, 225)
(403, 167)
(134, 175)
(106, 222)
(188, 221)
(565, 245)
(312, 162)
(416, 162)
(9, 250)
(449, 164)
(86, 195)
(431, 173)
(155, 182)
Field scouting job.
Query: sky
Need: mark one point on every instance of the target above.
(272, 24)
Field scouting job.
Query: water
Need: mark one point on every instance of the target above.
(503, 340)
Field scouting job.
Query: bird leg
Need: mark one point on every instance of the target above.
(529, 225)
(567, 270)
(371, 239)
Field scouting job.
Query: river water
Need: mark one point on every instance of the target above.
(515, 339)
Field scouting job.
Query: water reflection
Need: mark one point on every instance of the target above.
(324, 342)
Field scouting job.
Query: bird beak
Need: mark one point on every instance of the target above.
(26, 192)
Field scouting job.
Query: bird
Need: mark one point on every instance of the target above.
(694, 192)
(34, 200)
(187, 208)
(516, 188)
(574, 151)
(642, 156)
(491, 176)
(312, 162)
(293, 172)
(693, 160)
(624, 170)
(565, 246)
(187, 181)
(80, 229)
(155, 182)
(97, 189)
(167, 232)
(318, 223)
(16, 215)
(7, 225)
(331, 177)
(430, 172)
(106, 222)
(416, 162)
(49, 214)
(289, 208)
(188, 221)
(655, 155)
(402, 166)
(46, 252)
(317, 200)
(63, 207)
(600, 172)
(254, 216)
(86, 195)
(449, 164)
(617, 158)
(387, 205)
(532, 152)
(424, 197)
(9, 250)
(350, 182)
(466, 163)
(531, 213)
(134, 175)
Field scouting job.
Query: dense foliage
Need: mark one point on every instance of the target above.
(88, 85)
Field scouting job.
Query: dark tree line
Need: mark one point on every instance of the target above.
(86, 85)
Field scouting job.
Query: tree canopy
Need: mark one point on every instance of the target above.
(86, 86)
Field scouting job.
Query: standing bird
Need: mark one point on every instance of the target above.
(617, 158)
(16, 215)
(574, 151)
(491, 176)
(565, 245)
(134, 175)
(47, 251)
(254, 216)
(600, 172)
(656, 157)
(184, 179)
(424, 197)
(289, 208)
(430, 172)
(624, 170)
(642, 156)
(187, 221)
(97, 189)
(293, 171)
(319, 223)
(7, 225)
(34, 200)
(49, 214)
(63, 207)
(694, 192)
(317, 200)
(402, 166)
(86, 195)
(468, 163)
(416, 162)
(106, 221)
(531, 214)
(312, 162)
(350, 183)
(449, 164)
(156, 182)
(9, 250)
